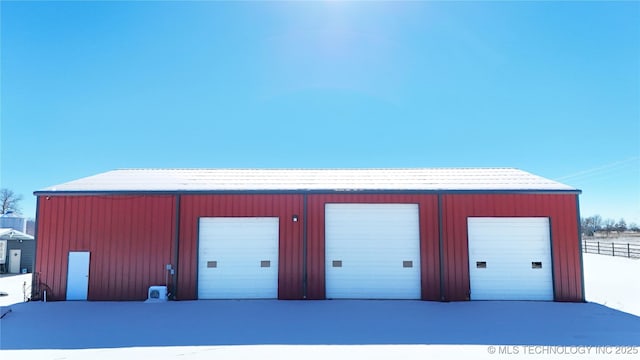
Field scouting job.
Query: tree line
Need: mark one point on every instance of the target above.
(592, 224)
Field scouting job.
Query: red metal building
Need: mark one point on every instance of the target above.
(430, 234)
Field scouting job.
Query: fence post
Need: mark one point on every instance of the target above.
(598, 247)
(628, 250)
(613, 249)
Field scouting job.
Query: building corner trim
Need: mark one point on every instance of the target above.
(35, 278)
(582, 292)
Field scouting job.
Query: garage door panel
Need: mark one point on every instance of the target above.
(238, 258)
(507, 249)
(372, 242)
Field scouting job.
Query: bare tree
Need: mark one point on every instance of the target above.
(621, 226)
(609, 226)
(586, 226)
(591, 224)
(597, 222)
(9, 201)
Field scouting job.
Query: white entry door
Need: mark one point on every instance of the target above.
(510, 258)
(14, 261)
(372, 251)
(238, 258)
(78, 275)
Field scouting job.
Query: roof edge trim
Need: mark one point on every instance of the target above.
(327, 191)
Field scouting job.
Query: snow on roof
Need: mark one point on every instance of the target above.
(11, 234)
(430, 179)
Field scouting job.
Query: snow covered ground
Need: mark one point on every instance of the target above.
(337, 329)
(613, 282)
(13, 285)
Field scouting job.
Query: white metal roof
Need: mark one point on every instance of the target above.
(11, 234)
(428, 179)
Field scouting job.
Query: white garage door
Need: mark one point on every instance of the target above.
(238, 258)
(510, 259)
(372, 251)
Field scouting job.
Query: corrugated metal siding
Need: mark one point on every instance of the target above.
(561, 209)
(290, 270)
(130, 239)
(429, 246)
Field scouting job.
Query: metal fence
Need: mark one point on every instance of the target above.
(611, 248)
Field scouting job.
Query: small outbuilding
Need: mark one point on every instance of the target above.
(432, 234)
(17, 251)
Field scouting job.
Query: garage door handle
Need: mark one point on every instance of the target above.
(407, 264)
(265, 263)
(536, 264)
(336, 263)
(481, 264)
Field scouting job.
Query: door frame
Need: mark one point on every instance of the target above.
(548, 265)
(411, 291)
(12, 262)
(274, 264)
(80, 289)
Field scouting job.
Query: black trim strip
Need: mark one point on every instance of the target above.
(583, 299)
(335, 191)
(197, 256)
(34, 271)
(552, 255)
(441, 250)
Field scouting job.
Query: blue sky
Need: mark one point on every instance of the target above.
(548, 87)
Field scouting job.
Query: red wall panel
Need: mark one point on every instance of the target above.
(129, 239)
(284, 206)
(560, 208)
(429, 242)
